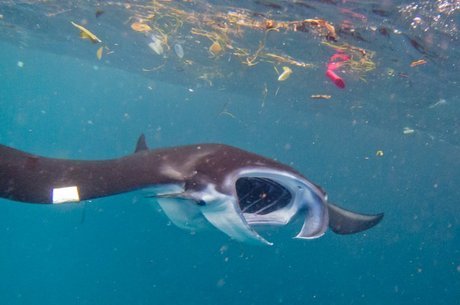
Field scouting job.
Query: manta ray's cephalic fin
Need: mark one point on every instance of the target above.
(343, 221)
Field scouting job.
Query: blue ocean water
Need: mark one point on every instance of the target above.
(123, 250)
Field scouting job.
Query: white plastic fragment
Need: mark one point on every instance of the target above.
(408, 130)
(66, 194)
(179, 50)
(156, 45)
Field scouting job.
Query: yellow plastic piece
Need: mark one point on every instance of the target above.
(286, 73)
(99, 53)
(141, 27)
(86, 34)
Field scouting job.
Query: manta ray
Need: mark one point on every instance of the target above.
(197, 186)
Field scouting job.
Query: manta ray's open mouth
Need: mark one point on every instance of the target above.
(261, 196)
(252, 199)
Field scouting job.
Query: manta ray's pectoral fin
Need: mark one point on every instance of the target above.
(185, 214)
(225, 216)
(179, 206)
(342, 221)
(196, 210)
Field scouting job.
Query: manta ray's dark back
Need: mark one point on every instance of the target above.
(223, 186)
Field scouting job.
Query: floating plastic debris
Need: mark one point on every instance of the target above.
(390, 72)
(337, 80)
(98, 13)
(379, 153)
(99, 53)
(179, 50)
(335, 62)
(215, 49)
(438, 103)
(286, 73)
(320, 96)
(86, 34)
(417, 63)
(141, 27)
(20, 64)
(408, 130)
(156, 45)
(230, 34)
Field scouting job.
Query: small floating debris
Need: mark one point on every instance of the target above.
(141, 27)
(99, 12)
(156, 45)
(337, 80)
(417, 63)
(320, 96)
(99, 53)
(215, 49)
(285, 74)
(390, 72)
(335, 62)
(179, 50)
(20, 64)
(408, 130)
(86, 34)
(438, 103)
(379, 153)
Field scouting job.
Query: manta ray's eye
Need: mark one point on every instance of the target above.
(261, 195)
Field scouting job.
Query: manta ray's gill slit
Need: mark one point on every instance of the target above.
(261, 195)
(253, 195)
(271, 207)
(246, 208)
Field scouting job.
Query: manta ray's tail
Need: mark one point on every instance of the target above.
(342, 221)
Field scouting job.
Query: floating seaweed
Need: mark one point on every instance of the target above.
(231, 36)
